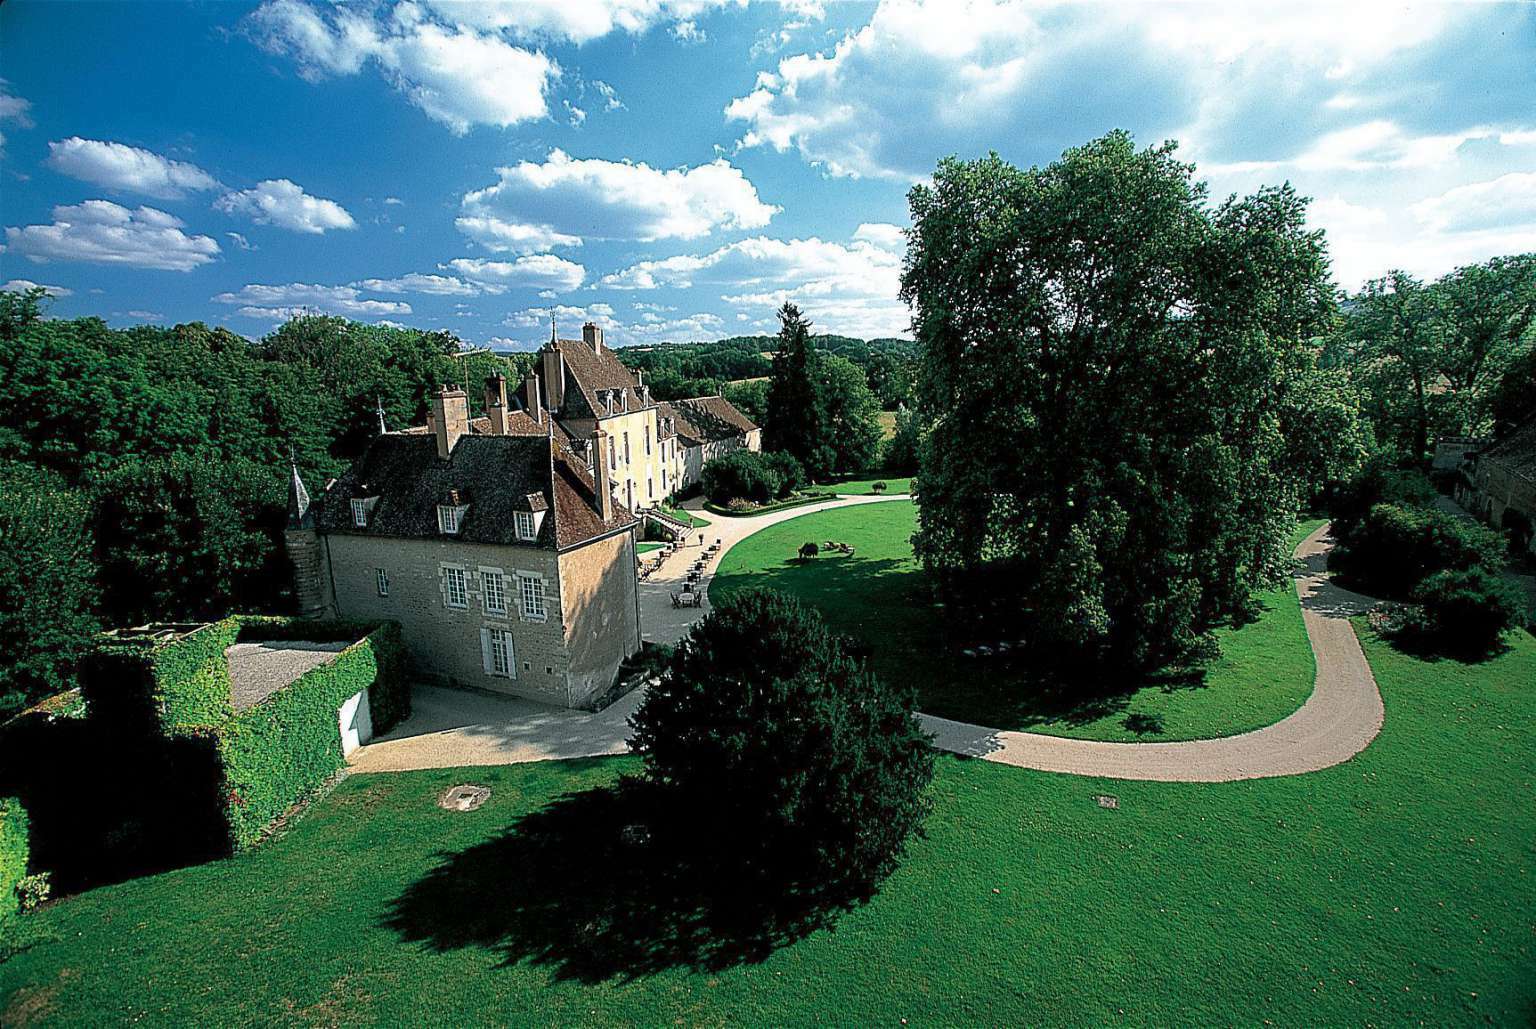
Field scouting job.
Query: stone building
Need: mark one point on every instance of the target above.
(707, 428)
(496, 543)
(1498, 483)
(654, 449)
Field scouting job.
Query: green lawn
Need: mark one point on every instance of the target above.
(857, 487)
(646, 548)
(1394, 889)
(1265, 670)
(685, 516)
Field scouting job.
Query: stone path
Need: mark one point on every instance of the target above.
(1340, 718)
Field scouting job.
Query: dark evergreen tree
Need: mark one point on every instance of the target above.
(796, 408)
(799, 758)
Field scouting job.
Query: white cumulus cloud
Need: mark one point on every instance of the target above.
(102, 232)
(127, 168)
(281, 302)
(535, 271)
(457, 74)
(513, 237)
(22, 285)
(432, 285)
(619, 200)
(284, 204)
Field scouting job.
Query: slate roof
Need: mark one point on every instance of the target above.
(1516, 453)
(589, 376)
(707, 419)
(519, 423)
(494, 475)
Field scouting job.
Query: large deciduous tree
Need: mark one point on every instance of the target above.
(1110, 367)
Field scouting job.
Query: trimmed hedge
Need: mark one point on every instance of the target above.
(13, 855)
(281, 750)
(278, 752)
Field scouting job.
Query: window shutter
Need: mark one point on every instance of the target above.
(485, 650)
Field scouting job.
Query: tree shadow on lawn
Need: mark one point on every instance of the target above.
(609, 884)
(884, 604)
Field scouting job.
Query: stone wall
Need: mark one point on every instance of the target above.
(599, 588)
(446, 643)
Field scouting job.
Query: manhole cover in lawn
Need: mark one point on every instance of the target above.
(463, 798)
(1107, 801)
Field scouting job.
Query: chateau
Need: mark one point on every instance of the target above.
(505, 545)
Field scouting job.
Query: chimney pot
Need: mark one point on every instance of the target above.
(496, 403)
(592, 336)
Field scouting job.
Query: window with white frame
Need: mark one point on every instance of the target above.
(493, 587)
(525, 524)
(381, 579)
(533, 596)
(449, 518)
(503, 658)
(359, 513)
(455, 586)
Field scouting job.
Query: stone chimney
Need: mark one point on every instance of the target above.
(450, 417)
(600, 474)
(531, 397)
(592, 336)
(496, 403)
(554, 377)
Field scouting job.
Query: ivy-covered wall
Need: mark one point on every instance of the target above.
(282, 749)
(275, 754)
(13, 855)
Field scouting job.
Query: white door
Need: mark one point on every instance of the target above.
(356, 722)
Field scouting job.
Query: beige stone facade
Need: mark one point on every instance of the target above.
(505, 561)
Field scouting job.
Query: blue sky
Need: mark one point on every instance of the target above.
(675, 170)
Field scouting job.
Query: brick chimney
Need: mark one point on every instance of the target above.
(531, 397)
(496, 403)
(592, 336)
(450, 417)
(600, 474)
(554, 377)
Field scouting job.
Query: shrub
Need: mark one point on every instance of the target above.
(1465, 611)
(791, 750)
(1377, 483)
(13, 856)
(1394, 547)
(751, 476)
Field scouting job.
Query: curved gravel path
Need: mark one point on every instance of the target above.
(1340, 718)
(1344, 713)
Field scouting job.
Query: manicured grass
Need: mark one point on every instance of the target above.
(856, 487)
(1394, 889)
(646, 548)
(1265, 670)
(689, 517)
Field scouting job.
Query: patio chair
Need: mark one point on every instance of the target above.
(677, 600)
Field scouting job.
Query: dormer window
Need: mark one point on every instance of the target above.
(526, 526)
(450, 517)
(362, 511)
